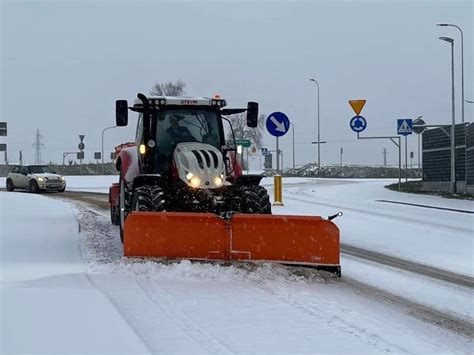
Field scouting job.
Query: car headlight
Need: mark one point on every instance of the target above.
(40, 179)
(62, 178)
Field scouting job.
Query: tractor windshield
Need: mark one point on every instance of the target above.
(180, 125)
(188, 125)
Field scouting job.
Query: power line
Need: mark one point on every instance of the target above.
(38, 145)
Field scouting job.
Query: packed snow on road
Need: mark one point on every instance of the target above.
(66, 288)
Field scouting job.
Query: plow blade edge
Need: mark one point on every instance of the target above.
(301, 240)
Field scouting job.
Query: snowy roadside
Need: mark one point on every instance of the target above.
(48, 304)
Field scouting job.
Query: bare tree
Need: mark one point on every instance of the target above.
(241, 131)
(168, 89)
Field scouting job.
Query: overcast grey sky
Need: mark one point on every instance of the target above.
(64, 63)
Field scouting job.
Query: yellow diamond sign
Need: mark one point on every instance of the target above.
(357, 105)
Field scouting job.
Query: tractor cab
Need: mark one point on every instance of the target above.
(165, 121)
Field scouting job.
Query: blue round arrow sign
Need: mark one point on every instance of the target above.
(277, 124)
(358, 124)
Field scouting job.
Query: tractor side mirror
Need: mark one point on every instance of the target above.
(121, 113)
(252, 114)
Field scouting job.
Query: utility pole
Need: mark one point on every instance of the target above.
(342, 151)
(384, 151)
(21, 157)
(38, 145)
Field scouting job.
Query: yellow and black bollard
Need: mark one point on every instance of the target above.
(278, 190)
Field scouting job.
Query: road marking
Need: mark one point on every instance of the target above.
(426, 206)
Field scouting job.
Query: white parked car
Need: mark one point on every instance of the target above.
(35, 178)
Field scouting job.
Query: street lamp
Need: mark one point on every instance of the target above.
(319, 133)
(103, 131)
(293, 132)
(462, 61)
(419, 150)
(453, 123)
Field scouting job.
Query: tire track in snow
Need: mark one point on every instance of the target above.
(320, 313)
(407, 265)
(165, 302)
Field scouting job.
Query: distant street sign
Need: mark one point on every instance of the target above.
(112, 155)
(3, 128)
(357, 105)
(278, 124)
(358, 124)
(419, 126)
(243, 142)
(3, 147)
(97, 155)
(80, 155)
(81, 146)
(81, 137)
(268, 161)
(404, 126)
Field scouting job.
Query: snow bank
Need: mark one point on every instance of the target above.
(48, 304)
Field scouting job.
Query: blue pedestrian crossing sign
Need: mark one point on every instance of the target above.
(358, 124)
(404, 126)
(278, 124)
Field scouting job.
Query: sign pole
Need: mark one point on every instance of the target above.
(399, 163)
(277, 156)
(406, 158)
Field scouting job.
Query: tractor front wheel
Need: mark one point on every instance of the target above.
(250, 199)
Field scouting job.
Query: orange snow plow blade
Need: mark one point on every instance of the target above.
(299, 240)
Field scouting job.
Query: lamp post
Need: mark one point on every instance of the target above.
(453, 123)
(319, 132)
(293, 132)
(419, 151)
(462, 62)
(103, 131)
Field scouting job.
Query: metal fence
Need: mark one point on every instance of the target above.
(437, 158)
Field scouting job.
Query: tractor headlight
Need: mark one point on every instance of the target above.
(195, 181)
(218, 181)
(40, 179)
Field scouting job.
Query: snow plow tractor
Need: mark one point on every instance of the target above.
(182, 194)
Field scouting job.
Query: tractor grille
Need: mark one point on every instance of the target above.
(207, 156)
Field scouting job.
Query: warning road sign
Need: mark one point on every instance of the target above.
(357, 105)
(405, 126)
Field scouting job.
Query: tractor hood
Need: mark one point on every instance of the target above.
(200, 165)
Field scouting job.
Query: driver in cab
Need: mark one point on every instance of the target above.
(179, 133)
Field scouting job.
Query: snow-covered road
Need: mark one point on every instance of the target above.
(67, 292)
